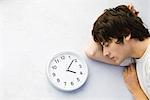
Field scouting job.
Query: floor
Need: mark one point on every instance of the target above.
(31, 31)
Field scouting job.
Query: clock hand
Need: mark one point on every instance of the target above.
(70, 71)
(70, 64)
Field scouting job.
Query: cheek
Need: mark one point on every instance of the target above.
(118, 51)
(120, 54)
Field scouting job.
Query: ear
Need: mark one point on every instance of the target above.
(127, 38)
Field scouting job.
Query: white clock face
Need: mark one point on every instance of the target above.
(67, 71)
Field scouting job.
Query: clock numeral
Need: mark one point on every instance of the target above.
(62, 57)
(78, 79)
(69, 57)
(54, 67)
(75, 60)
(65, 83)
(72, 83)
(53, 74)
(81, 73)
(56, 60)
(58, 80)
(80, 65)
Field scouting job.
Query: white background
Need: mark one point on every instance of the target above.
(31, 31)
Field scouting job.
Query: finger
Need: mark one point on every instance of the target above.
(136, 13)
(130, 6)
(132, 67)
(125, 71)
(128, 69)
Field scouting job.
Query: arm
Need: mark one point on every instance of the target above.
(94, 51)
(131, 80)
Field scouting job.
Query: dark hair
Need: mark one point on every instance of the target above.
(118, 23)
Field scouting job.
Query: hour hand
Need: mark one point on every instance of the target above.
(70, 71)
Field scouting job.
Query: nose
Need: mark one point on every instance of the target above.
(106, 52)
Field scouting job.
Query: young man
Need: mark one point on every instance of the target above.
(119, 34)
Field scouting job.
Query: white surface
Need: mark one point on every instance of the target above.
(32, 30)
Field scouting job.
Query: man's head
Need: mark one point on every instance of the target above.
(114, 26)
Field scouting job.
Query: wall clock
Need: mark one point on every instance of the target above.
(67, 71)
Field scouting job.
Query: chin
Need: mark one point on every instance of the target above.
(118, 62)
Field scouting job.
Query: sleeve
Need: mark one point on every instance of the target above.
(147, 77)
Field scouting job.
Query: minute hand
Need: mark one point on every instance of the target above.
(70, 64)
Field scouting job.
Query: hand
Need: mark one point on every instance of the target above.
(131, 80)
(131, 7)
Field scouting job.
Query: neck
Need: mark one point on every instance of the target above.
(138, 48)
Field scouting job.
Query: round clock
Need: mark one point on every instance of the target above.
(67, 71)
